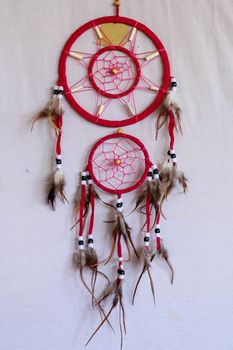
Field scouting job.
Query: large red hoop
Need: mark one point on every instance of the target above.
(130, 188)
(63, 79)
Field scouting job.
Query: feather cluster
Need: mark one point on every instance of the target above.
(169, 177)
(53, 109)
(121, 227)
(55, 189)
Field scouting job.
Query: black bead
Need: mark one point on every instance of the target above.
(155, 171)
(56, 92)
(80, 242)
(58, 161)
(149, 174)
(146, 239)
(173, 155)
(89, 177)
(121, 272)
(90, 240)
(157, 230)
(83, 178)
(61, 92)
(174, 84)
(119, 205)
(169, 153)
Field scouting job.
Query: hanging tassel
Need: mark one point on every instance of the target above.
(169, 106)
(169, 174)
(79, 256)
(145, 253)
(53, 110)
(56, 182)
(115, 289)
(91, 255)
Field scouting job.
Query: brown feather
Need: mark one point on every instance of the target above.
(183, 181)
(116, 289)
(55, 189)
(164, 254)
(146, 258)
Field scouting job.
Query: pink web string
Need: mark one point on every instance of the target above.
(118, 176)
(109, 82)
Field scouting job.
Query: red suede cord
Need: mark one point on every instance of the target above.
(81, 210)
(59, 132)
(158, 240)
(119, 250)
(92, 218)
(171, 127)
(147, 213)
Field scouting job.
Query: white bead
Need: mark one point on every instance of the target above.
(121, 277)
(91, 245)
(90, 236)
(84, 173)
(81, 247)
(119, 200)
(153, 55)
(132, 34)
(146, 244)
(120, 258)
(157, 225)
(147, 234)
(83, 182)
(58, 156)
(58, 166)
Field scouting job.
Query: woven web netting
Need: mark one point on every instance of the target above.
(114, 72)
(118, 163)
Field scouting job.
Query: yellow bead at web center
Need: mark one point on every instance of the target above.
(117, 161)
(114, 71)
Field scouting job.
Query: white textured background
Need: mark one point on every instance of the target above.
(43, 304)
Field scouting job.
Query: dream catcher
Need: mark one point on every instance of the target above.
(114, 72)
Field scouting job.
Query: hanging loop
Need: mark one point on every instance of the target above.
(117, 5)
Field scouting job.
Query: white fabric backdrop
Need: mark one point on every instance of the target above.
(43, 304)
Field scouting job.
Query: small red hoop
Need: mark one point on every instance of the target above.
(78, 108)
(114, 48)
(142, 149)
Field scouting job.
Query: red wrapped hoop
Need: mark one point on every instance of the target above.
(135, 149)
(138, 116)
